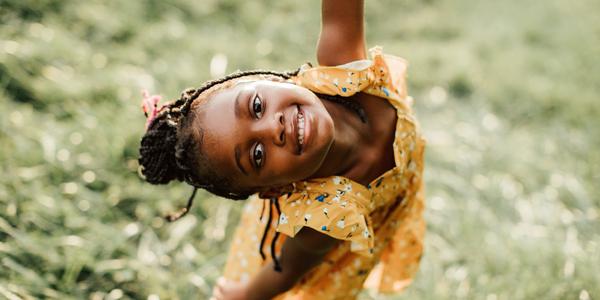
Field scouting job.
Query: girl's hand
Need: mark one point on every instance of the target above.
(230, 290)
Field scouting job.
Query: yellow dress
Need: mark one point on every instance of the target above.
(381, 226)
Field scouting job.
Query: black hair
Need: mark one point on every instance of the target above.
(170, 148)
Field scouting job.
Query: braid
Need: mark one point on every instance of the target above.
(286, 75)
(169, 148)
(342, 100)
(157, 150)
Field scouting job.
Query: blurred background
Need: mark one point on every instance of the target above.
(507, 92)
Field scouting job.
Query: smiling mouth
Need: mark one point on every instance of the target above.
(300, 129)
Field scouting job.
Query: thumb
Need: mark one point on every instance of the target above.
(221, 281)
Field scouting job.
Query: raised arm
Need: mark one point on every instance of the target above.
(342, 38)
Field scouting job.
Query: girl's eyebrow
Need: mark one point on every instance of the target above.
(236, 105)
(238, 155)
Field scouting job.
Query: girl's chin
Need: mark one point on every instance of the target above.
(316, 161)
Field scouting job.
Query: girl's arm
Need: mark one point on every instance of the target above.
(298, 255)
(342, 38)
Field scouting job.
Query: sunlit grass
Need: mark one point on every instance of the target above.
(506, 93)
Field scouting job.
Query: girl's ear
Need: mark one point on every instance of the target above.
(276, 192)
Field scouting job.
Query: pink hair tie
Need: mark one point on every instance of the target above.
(149, 104)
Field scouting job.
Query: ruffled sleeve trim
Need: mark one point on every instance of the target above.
(340, 213)
(383, 76)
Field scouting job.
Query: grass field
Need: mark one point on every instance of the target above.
(507, 93)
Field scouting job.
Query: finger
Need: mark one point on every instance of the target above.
(217, 292)
(221, 281)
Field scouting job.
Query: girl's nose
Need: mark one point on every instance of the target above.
(273, 128)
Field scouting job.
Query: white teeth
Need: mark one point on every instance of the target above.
(300, 128)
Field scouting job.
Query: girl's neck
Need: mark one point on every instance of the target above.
(360, 152)
(344, 154)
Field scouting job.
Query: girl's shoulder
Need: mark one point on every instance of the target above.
(383, 76)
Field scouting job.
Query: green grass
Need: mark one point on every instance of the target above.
(506, 92)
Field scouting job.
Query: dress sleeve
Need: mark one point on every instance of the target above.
(336, 214)
(383, 76)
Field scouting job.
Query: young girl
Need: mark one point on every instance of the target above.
(334, 154)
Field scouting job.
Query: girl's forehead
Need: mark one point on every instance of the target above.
(246, 81)
(247, 84)
(243, 84)
(251, 83)
(265, 78)
(231, 88)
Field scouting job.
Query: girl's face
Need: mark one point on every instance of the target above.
(265, 134)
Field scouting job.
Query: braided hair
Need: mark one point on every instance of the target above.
(171, 147)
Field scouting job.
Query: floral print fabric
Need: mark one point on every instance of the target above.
(380, 226)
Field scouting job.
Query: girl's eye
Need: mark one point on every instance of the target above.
(258, 155)
(257, 107)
